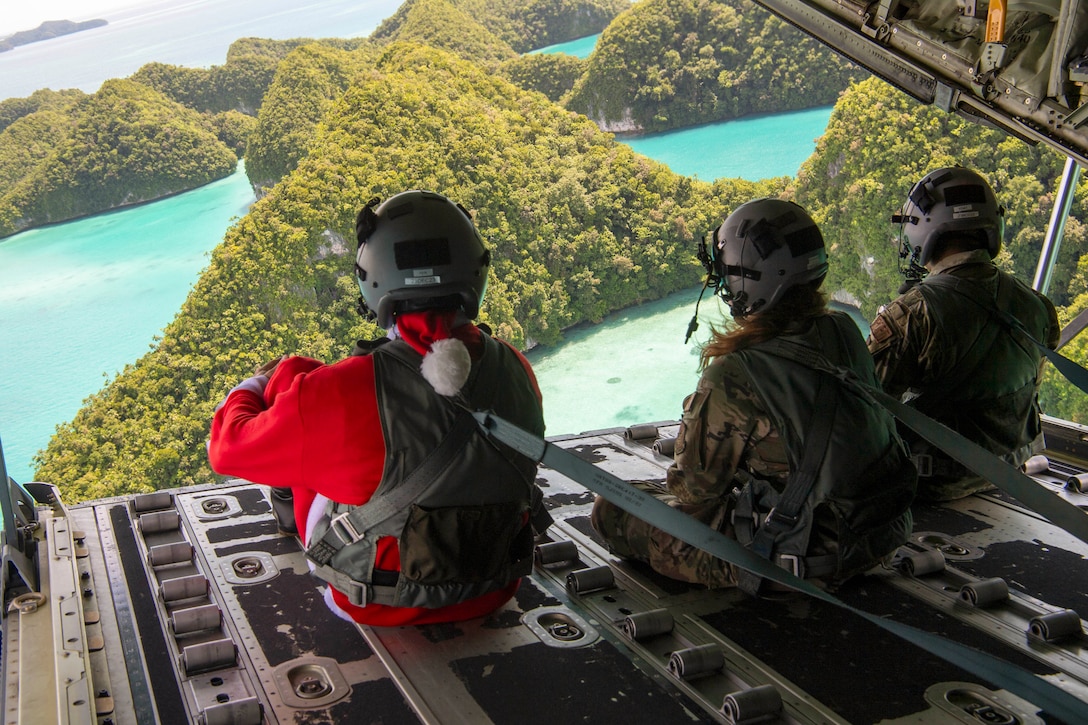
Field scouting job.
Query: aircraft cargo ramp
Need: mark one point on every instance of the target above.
(188, 606)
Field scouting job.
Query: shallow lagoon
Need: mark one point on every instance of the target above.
(79, 301)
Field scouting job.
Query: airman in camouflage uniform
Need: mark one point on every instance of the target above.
(745, 428)
(724, 425)
(942, 348)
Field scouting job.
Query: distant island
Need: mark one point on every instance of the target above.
(48, 29)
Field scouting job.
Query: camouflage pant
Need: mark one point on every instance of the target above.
(942, 479)
(938, 488)
(633, 538)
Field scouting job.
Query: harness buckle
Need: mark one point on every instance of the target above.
(924, 463)
(791, 563)
(774, 516)
(345, 530)
(356, 592)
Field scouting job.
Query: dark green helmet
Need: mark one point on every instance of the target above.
(419, 250)
(948, 201)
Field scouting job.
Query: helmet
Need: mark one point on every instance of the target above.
(949, 200)
(419, 250)
(761, 250)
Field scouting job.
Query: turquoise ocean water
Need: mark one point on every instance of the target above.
(757, 147)
(579, 47)
(194, 33)
(79, 301)
(632, 368)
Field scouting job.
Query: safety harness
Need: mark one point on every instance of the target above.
(649, 508)
(766, 535)
(1073, 371)
(778, 525)
(451, 550)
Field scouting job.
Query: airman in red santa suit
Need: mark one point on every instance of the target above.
(406, 511)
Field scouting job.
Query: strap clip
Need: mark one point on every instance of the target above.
(924, 463)
(791, 563)
(778, 519)
(342, 525)
(356, 592)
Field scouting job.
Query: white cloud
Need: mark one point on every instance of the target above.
(27, 15)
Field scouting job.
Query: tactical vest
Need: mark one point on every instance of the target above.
(863, 483)
(990, 397)
(457, 502)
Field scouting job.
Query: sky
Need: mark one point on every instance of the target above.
(21, 15)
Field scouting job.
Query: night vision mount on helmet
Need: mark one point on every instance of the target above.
(418, 250)
(944, 202)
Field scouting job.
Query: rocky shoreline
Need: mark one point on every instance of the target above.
(48, 29)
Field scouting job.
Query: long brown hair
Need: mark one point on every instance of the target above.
(798, 306)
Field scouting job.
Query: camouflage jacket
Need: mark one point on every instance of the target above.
(730, 434)
(725, 426)
(952, 360)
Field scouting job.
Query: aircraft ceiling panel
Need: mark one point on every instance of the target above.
(1022, 70)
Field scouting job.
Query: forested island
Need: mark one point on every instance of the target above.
(579, 225)
(47, 30)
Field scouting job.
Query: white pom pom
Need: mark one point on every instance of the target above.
(446, 366)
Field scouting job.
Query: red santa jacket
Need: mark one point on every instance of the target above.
(306, 432)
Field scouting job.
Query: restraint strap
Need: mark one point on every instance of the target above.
(1009, 479)
(639, 503)
(351, 525)
(785, 514)
(484, 385)
(976, 458)
(1072, 371)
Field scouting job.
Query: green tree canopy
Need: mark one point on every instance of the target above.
(578, 225)
(12, 109)
(237, 85)
(671, 63)
(307, 83)
(123, 145)
(553, 74)
(441, 24)
(521, 24)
